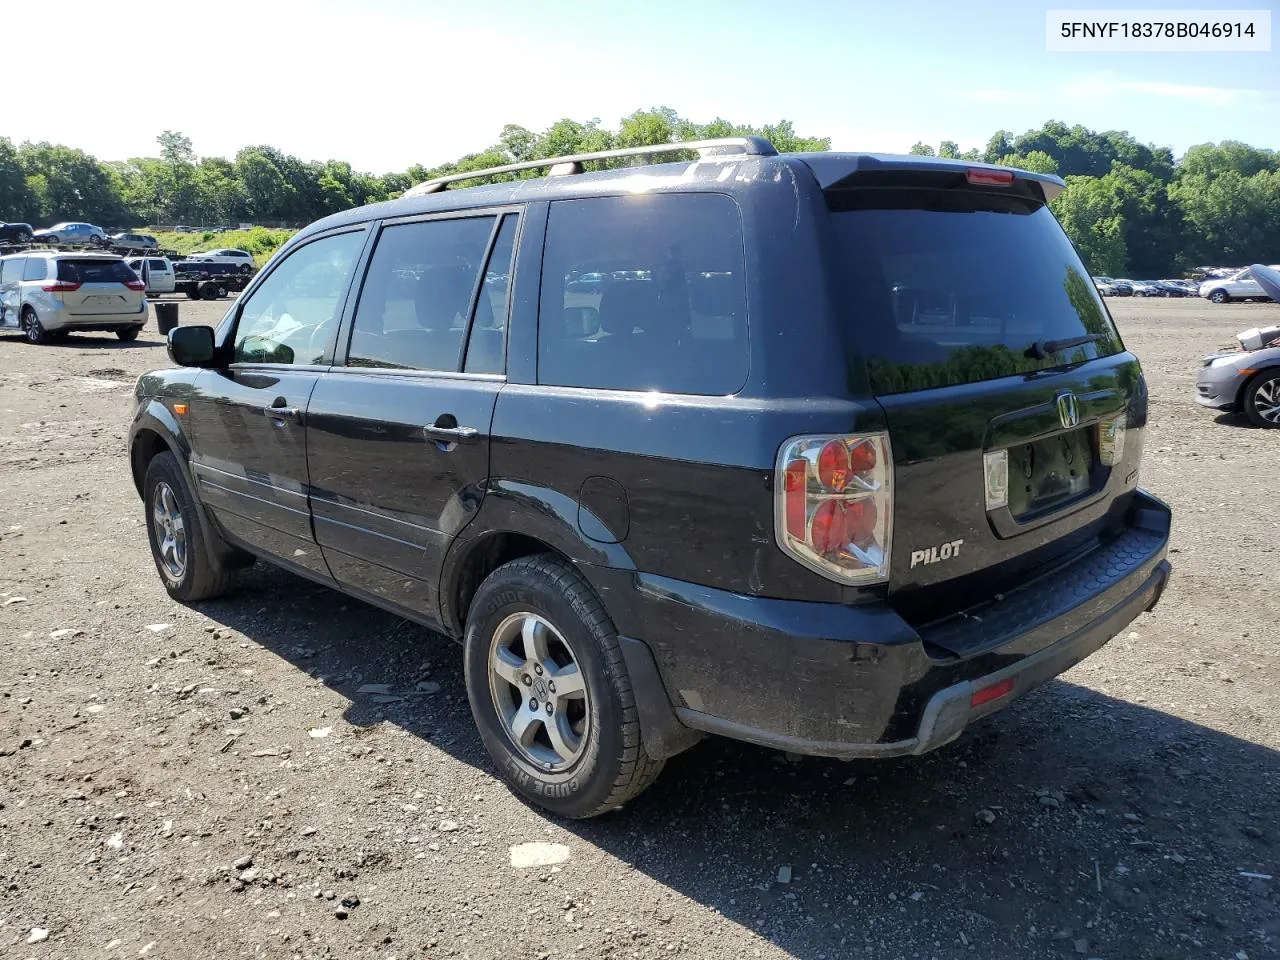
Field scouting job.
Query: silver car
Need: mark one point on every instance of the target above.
(73, 233)
(1247, 380)
(48, 295)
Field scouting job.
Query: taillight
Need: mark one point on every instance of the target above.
(1111, 440)
(834, 508)
(135, 285)
(61, 286)
(989, 178)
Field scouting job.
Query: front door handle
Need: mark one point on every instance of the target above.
(281, 413)
(451, 434)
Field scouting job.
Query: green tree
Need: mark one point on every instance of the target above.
(16, 200)
(1088, 213)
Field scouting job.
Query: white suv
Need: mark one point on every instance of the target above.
(1238, 286)
(48, 295)
(241, 258)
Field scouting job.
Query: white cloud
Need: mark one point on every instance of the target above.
(1105, 85)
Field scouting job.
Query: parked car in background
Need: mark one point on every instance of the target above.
(1177, 288)
(1123, 288)
(156, 272)
(73, 233)
(907, 511)
(183, 228)
(16, 233)
(1247, 380)
(48, 295)
(1105, 286)
(134, 241)
(240, 258)
(1238, 286)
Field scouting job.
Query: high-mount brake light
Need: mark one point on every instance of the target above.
(989, 178)
(834, 507)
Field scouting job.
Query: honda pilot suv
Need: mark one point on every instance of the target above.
(831, 453)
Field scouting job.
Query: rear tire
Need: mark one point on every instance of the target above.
(186, 567)
(35, 333)
(596, 760)
(1262, 399)
(130, 334)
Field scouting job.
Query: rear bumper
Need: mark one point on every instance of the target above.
(857, 681)
(65, 320)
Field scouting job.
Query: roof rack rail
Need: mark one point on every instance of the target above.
(572, 163)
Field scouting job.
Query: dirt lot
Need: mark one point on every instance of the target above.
(213, 782)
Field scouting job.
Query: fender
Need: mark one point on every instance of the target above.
(515, 507)
(155, 417)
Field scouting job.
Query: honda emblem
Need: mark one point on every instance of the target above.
(1068, 411)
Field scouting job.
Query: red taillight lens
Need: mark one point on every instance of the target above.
(833, 465)
(61, 286)
(135, 285)
(835, 505)
(795, 494)
(827, 529)
(989, 178)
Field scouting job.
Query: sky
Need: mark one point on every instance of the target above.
(384, 84)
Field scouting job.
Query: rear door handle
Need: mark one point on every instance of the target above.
(281, 413)
(452, 434)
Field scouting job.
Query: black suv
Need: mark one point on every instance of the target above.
(832, 453)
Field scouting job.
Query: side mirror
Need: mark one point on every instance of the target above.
(191, 346)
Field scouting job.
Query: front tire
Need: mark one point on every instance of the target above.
(1220, 296)
(574, 750)
(1262, 399)
(186, 567)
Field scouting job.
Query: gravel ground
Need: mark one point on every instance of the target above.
(288, 773)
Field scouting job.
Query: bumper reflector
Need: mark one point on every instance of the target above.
(993, 692)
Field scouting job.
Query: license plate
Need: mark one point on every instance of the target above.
(99, 300)
(1049, 473)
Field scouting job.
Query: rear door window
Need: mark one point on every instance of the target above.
(158, 265)
(644, 292)
(95, 271)
(416, 300)
(947, 287)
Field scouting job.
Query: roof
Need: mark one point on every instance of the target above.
(757, 162)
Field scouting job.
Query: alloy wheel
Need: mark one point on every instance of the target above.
(539, 691)
(170, 530)
(1266, 400)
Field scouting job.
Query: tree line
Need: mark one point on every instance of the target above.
(1132, 209)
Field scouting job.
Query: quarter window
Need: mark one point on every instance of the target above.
(644, 293)
(485, 346)
(36, 269)
(11, 269)
(416, 300)
(293, 314)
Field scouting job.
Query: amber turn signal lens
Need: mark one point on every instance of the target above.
(180, 409)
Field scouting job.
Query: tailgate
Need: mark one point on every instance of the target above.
(1014, 412)
(98, 285)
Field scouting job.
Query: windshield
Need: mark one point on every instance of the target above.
(950, 287)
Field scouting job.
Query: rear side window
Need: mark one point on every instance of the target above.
(416, 299)
(644, 292)
(95, 271)
(35, 269)
(948, 287)
(11, 269)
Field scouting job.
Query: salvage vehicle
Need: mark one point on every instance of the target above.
(1242, 285)
(835, 453)
(1247, 380)
(46, 295)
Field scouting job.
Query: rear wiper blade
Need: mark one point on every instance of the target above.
(1047, 348)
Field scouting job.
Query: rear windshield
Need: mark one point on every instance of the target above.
(952, 287)
(95, 271)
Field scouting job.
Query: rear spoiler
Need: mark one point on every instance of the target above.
(834, 170)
